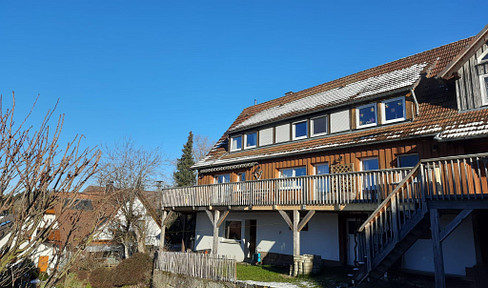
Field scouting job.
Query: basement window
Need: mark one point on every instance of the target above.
(233, 230)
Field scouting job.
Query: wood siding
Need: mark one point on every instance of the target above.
(468, 89)
(387, 154)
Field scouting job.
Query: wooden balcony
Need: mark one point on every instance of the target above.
(319, 190)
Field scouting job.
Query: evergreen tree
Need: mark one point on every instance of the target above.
(183, 175)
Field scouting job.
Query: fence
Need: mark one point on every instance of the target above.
(197, 265)
(329, 189)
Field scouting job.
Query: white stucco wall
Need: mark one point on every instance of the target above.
(458, 250)
(273, 235)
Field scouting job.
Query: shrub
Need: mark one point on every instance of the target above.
(134, 270)
(101, 278)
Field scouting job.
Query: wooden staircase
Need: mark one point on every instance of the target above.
(404, 215)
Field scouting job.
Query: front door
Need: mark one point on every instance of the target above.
(250, 231)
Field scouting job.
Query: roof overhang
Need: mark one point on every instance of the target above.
(458, 61)
(229, 167)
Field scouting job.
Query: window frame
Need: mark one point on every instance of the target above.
(320, 164)
(406, 155)
(375, 115)
(480, 59)
(369, 158)
(383, 111)
(245, 140)
(484, 88)
(294, 171)
(226, 229)
(223, 174)
(293, 130)
(232, 142)
(312, 121)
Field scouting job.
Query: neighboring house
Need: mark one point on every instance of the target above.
(94, 209)
(334, 170)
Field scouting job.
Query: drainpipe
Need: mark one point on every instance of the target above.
(416, 102)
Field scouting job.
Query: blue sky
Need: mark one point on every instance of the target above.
(154, 70)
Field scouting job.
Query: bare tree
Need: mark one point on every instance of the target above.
(201, 146)
(34, 169)
(130, 170)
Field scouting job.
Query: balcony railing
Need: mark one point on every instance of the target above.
(329, 189)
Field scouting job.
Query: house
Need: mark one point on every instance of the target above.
(356, 170)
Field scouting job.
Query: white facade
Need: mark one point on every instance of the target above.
(272, 235)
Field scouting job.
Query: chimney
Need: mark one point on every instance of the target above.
(289, 93)
(255, 101)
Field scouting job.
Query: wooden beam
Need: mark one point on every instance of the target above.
(440, 279)
(210, 216)
(286, 218)
(215, 245)
(459, 204)
(222, 218)
(305, 220)
(296, 233)
(168, 217)
(444, 233)
(163, 231)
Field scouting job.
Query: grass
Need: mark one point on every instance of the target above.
(328, 277)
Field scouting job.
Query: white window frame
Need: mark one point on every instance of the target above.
(293, 130)
(294, 171)
(480, 61)
(375, 116)
(383, 111)
(312, 120)
(320, 164)
(231, 142)
(216, 181)
(484, 96)
(245, 140)
(368, 158)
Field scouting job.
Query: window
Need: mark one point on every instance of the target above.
(408, 160)
(251, 140)
(319, 125)
(293, 172)
(393, 110)
(241, 177)
(484, 89)
(321, 184)
(300, 130)
(223, 178)
(368, 164)
(483, 57)
(236, 143)
(321, 169)
(233, 230)
(366, 115)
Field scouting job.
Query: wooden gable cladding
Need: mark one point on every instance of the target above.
(387, 154)
(468, 85)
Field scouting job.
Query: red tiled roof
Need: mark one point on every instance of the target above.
(438, 112)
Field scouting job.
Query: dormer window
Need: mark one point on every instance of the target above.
(366, 116)
(483, 58)
(484, 89)
(250, 140)
(236, 143)
(393, 110)
(319, 125)
(300, 130)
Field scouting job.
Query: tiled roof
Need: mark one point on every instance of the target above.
(438, 113)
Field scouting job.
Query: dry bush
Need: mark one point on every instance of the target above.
(134, 270)
(101, 278)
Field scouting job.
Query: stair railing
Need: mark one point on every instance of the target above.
(384, 227)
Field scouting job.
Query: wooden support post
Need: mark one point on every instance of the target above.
(163, 231)
(440, 279)
(215, 245)
(305, 220)
(444, 233)
(216, 221)
(296, 233)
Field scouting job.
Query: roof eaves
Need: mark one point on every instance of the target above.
(462, 57)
